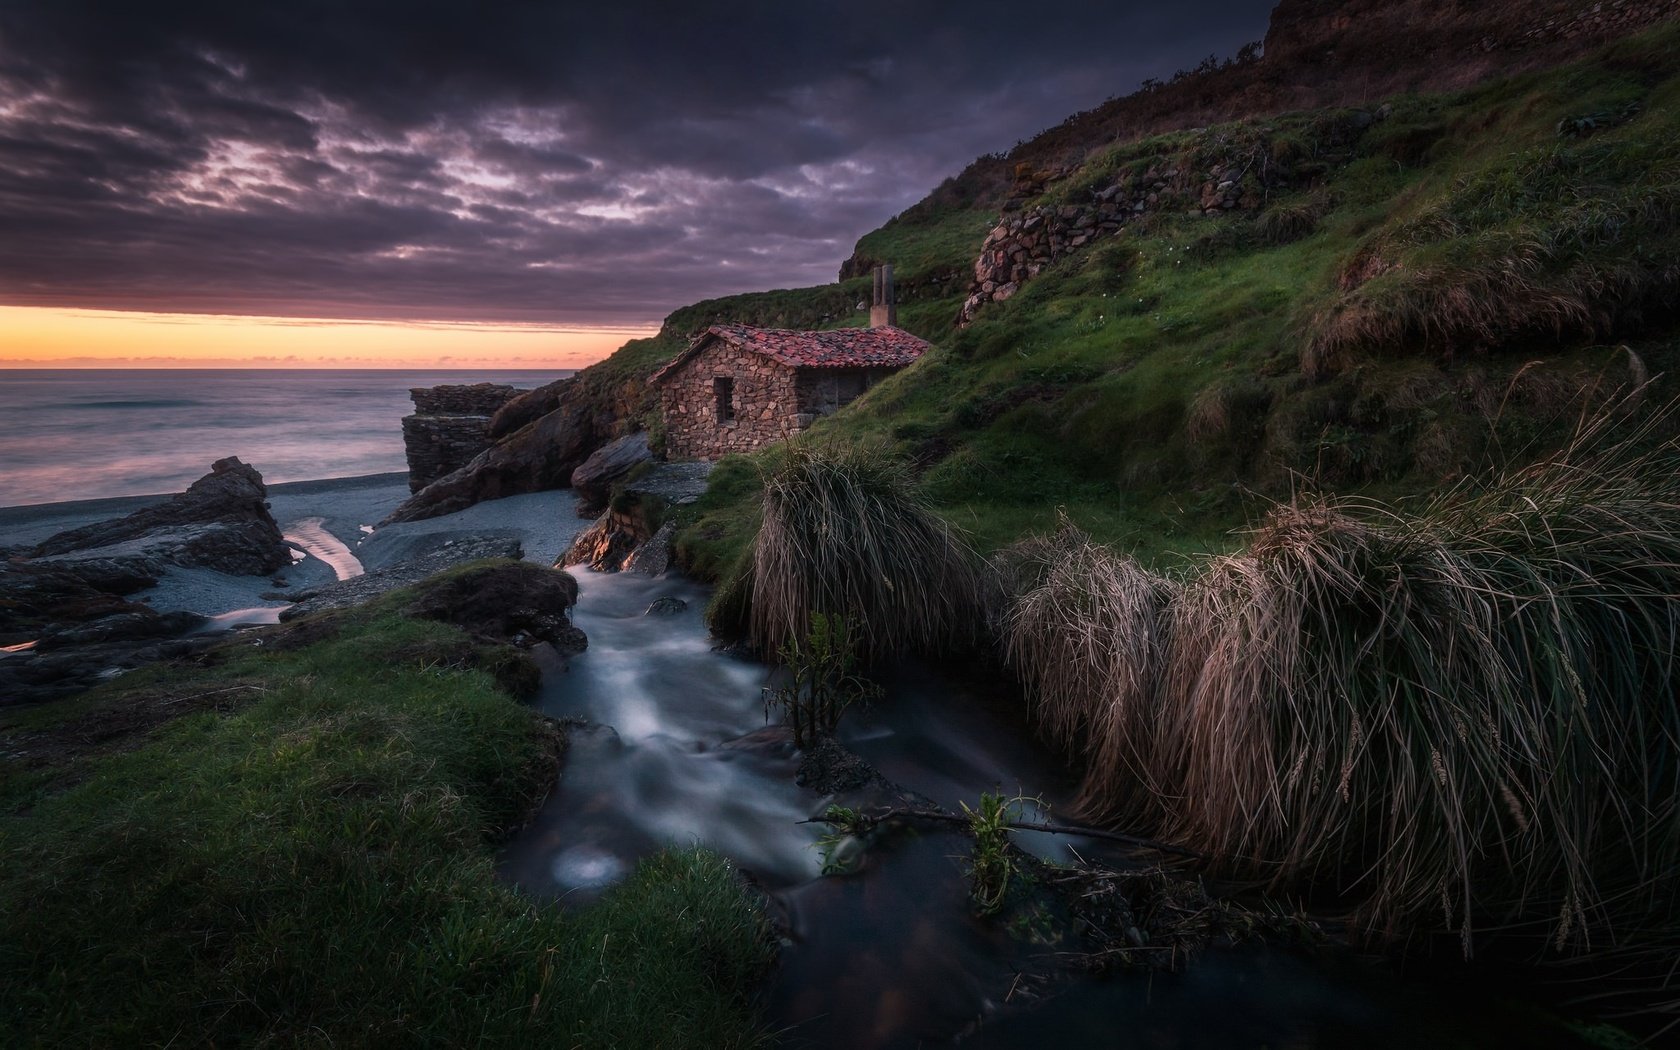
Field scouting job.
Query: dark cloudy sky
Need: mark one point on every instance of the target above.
(558, 163)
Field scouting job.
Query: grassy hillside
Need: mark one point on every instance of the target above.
(1449, 294)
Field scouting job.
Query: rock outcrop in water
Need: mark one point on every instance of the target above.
(221, 522)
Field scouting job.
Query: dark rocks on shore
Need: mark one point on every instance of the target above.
(606, 545)
(611, 463)
(221, 522)
(535, 458)
(520, 412)
(68, 595)
(370, 585)
(449, 427)
(36, 595)
(516, 602)
(135, 624)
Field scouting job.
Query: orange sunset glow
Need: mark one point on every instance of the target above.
(47, 337)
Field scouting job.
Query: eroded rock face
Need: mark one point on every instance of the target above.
(653, 557)
(520, 412)
(606, 545)
(594, 478)
(536, 458)
(450, 426)
(221, 522)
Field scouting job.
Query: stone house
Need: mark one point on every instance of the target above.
(738, 388)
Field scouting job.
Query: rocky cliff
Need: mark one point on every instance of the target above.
(450, 426)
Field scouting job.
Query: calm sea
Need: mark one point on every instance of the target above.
(84, 433)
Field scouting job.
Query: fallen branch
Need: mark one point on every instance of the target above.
(936, 817)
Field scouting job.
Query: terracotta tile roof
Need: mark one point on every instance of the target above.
(884, 347)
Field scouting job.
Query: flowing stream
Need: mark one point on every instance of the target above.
(677, 752)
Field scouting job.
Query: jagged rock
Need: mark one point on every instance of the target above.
(605, 546)
(221, 522)
(370, 585)
(450, 426)
(653, 557)
(137, 623)
(538, 457)
(34, 595)
(527, 408)
(594, 478)
(519, 601)
(666, 606)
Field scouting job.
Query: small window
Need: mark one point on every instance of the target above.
(723, 389)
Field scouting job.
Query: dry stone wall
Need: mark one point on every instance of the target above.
(765, 397)
(450, 426)
(1589, 22)
(1205, 177)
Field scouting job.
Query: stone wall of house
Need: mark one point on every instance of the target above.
(824, 391)
(765, 398)
(1212, 173)
(449, 427)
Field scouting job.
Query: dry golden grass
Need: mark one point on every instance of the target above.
(1086, 638)
(1465, 713)
(846, 533)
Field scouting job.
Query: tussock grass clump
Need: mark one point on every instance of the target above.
(1087, 638)
(1462, 713)
(846, 533)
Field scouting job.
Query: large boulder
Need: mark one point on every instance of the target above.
(539, 457)
(221, 522)
(594, 478)
(513, 601)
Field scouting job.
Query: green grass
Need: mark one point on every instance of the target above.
(314, 867)
(1165, 383)
(928, 243)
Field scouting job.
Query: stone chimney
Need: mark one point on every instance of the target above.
(882, 309)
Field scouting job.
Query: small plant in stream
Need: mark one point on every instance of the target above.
(993, 868)
(845, 825)
(825, 680)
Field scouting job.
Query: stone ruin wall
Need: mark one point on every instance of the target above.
(1239, 180)
(1591, 21)
(763, 392)
(449, 427)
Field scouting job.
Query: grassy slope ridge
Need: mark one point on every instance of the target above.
(1450, 298)
(315, 867)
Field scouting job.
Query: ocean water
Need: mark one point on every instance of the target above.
(68, 434)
